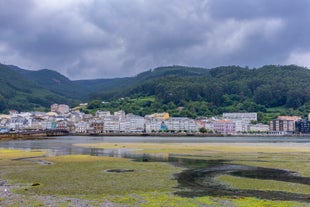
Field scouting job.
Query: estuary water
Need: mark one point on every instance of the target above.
(65, 145)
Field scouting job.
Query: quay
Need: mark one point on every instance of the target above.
(42, 134)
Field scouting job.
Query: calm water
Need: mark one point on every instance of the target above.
(65, 145)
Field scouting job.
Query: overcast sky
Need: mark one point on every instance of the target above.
(87, 39)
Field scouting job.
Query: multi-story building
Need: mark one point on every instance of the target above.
(241, 125)
(181, 124)
(293, 118)
(283, 124)
(176, 124)
(137, 123)
(121, 114)
(82, 127)
(258, 127)
(98, 126)
(18, 123)
(152, 125)
(48, 124)
(303, 126)
(61, 125)
(102, 114)
(111, 123)
(5, 121)
(132, 123)
(60, 108)
(243, 116)
(242, 120)
(124, 125)
(224, 127)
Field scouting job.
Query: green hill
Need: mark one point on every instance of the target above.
(21, 93)
(55, 82)
(182, 91)
(201, 92)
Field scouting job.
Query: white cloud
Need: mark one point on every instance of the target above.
(301, 58)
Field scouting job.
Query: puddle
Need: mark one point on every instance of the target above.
(201, 181)
(34, 159)
(119, 170)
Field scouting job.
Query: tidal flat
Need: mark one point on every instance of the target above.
(170, 174)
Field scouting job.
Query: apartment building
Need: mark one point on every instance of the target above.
(303, 126)
(60, 108)
(181, 124)
(259, 127)
(283, 124)
(224, 127)
(242, 116)
(111, 123)
(132, 123)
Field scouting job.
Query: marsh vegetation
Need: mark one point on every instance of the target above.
(168, 174)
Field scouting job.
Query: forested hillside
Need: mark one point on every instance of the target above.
(201, 92)
(23, 94)
(54, 81)
(181, 91)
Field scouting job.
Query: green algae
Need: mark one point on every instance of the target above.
(151, 183)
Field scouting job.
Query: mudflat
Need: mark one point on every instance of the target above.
(234, 174)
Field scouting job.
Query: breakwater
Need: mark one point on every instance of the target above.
(33, 134)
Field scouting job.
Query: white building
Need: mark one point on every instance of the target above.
(259, 127)
(243, 116)
(241, 125)
(224, 127)
(18, 123)
(102, 114)
(176, 124)
(47, 124)
(82, 127)
(132, 123)
(153, 125)
(76, 117)
(60, 108)
(181, 124)
(111, 123)
(242, 120)
(121, 114)
(137, 123)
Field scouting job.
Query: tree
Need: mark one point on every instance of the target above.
(203, 130)
(95, 104)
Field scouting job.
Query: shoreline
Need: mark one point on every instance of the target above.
(54, 134)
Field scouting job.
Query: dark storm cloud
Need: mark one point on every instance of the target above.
(99, 39)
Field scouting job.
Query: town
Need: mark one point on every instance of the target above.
(62, 118)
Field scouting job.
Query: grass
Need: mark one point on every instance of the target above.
(85, 175)
(151, 183)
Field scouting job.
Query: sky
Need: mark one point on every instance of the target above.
(91, 39)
